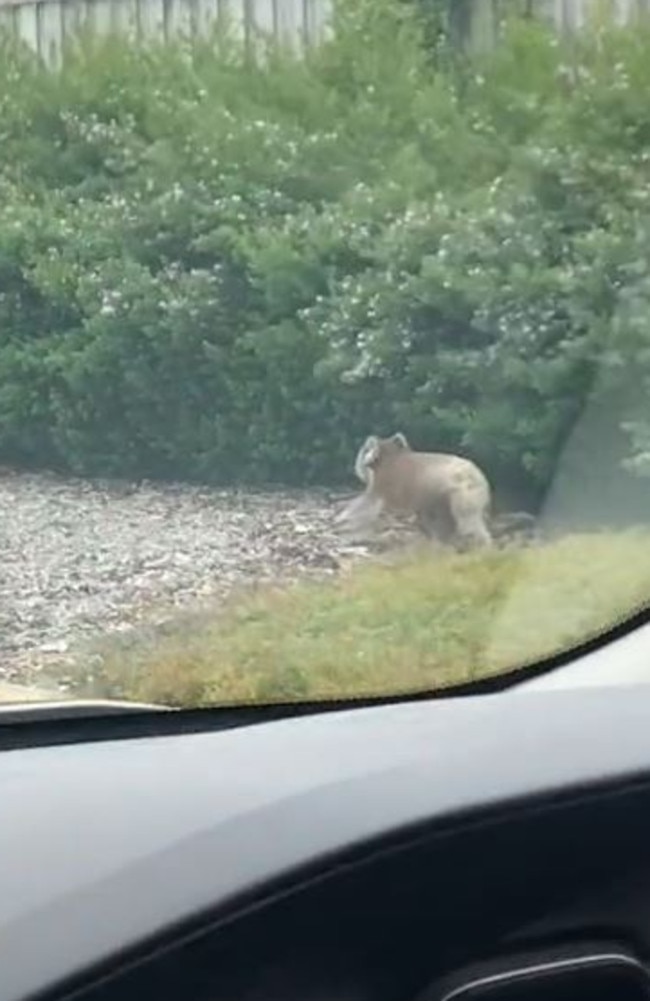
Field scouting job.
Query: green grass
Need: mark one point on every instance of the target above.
(407, 623)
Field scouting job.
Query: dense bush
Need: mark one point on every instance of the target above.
(220, 271)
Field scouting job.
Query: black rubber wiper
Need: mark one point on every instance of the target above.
(27, 712)
(45, 724)
(70, 721)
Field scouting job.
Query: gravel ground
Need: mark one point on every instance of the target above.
(80, 558)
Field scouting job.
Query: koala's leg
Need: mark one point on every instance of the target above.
(360, 515)
(426, 524)
(516, 528)
(469, 516)
(436, 525)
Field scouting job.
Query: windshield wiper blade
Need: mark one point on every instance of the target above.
(59, 709)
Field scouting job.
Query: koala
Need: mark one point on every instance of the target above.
(449, 496)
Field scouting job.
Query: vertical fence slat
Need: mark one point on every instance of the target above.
(178, 19)
(10, 21)
(482, 25)
(262, 16)
(50, 31)
(27, 24)
(234, 13)
(544, 10)
(316, 20)
(100, 14)
(578, 15)
(289, 23)
(206, 16)
(622, 10)
(75, 19)
(151, 20)
(562, 17)
(124, 18)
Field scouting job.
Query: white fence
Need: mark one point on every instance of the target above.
(482, 16)
(44, 24)
(573, 13)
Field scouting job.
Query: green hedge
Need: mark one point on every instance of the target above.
(223, 272)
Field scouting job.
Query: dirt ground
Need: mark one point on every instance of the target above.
(79, 557)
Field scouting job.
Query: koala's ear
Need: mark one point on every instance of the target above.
(371, 449)
(366, 457)
(400, 439)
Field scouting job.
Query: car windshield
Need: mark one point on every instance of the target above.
(324, 343)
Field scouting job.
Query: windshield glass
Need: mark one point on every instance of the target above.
(324, 342)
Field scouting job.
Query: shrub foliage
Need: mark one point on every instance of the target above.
(223, 271)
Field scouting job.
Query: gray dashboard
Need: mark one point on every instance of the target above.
(108, 844)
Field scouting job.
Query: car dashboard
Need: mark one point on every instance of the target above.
(478, 849)
(419, 918)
